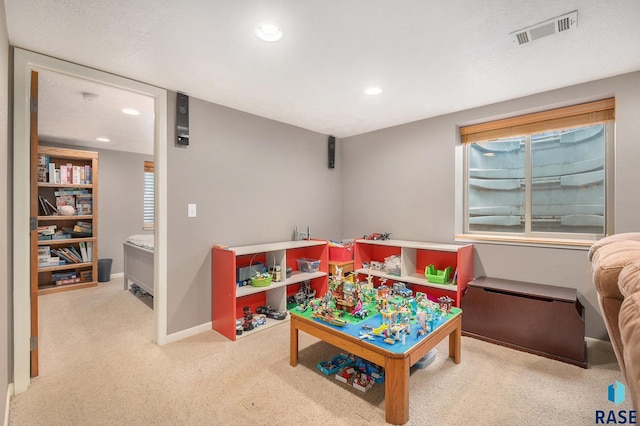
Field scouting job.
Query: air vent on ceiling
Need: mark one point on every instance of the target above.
(566, 22)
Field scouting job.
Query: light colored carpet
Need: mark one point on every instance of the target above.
(99, 367)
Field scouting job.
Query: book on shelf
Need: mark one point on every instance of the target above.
(67, 281)
(84, 204)
(68, 191)
(47, 208)
(87, 174)
(63, 174)
(63, 275)
(86, 276)
(84, 227)
(52, 173)
(43, 206)
(89, 245)
(66, 200)
(68, 254)
(49, 261)
(74, 253)
(60, 235)
(44, 252)
(75, 175)
(69, 173)
(83, 251)
(43, 167)
(62, 255)
(46, 230)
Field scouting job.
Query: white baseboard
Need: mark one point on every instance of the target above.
(117, 275)
(6, 412)
(189, 332)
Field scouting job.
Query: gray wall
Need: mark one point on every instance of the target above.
(402, 180)
(120, 200)
(253, 180)
(6, 295)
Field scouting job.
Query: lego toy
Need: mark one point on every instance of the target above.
(445, 303)
(378, 236)
(247, 325)
(271, 313)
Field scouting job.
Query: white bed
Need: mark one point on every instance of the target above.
(138, 262)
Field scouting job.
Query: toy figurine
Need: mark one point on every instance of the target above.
(248, 319)
(445, 303)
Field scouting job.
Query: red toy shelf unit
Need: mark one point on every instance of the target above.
(229, 299)
(414, 258)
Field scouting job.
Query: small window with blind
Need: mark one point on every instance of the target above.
(148, 196)
(543, 177)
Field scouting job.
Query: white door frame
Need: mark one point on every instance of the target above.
(24, 63)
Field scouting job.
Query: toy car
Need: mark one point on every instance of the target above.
(271, 313)
(401, 290)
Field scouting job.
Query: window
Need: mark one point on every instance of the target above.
(148, 196)
(541, 177)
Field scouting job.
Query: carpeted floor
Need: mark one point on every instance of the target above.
(99, 367)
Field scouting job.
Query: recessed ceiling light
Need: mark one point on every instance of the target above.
(103, 139)
(373, 91)
(268, 31)
(130, 111)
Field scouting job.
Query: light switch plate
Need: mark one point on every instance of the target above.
(191, 210)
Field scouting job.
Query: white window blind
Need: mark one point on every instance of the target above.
(148, 195)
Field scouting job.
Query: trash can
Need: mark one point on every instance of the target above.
(104, 270)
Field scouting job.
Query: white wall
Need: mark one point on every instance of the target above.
(253, 180)
(402, 180)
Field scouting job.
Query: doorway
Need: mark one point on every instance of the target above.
(24, 63)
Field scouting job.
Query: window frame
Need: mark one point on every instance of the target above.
(598, 112)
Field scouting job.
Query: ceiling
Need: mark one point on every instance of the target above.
(430, 58)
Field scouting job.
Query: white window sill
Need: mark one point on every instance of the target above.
(525, 241)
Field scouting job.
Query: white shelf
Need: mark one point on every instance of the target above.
(285, 245)
(412, 244)
(296, 277)
(410, 279)
(270, 323)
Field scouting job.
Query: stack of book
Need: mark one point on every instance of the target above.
(84, 204)
(45, 258)
(60, 278)
(49, 232)
(43, 167)
(46, 232)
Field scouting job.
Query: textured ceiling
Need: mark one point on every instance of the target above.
(429, 57)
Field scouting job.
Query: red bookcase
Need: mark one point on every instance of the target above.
(229, 299)
(414, 258)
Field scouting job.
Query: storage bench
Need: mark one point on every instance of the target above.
(540, 319)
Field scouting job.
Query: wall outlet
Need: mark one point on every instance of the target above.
(191, 210)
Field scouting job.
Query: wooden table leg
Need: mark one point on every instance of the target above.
(396, 390)
(455, 340)
(293, 348)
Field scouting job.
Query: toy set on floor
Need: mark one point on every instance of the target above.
(353, 371)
